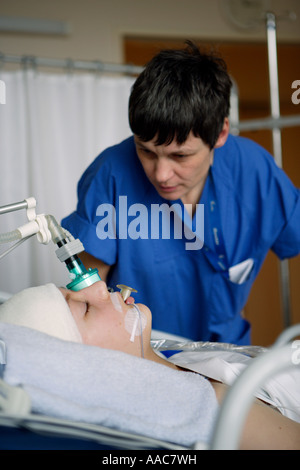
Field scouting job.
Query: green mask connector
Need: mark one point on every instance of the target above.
(81, 277)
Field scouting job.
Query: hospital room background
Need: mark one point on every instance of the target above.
(66, 69)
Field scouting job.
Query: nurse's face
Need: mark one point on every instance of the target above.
(176, 171)
(179, 171)
(104, 320)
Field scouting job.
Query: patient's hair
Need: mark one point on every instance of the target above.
(180, 91)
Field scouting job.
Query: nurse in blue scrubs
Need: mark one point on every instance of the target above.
(182, 211)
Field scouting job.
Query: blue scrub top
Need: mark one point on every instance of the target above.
(186, 290)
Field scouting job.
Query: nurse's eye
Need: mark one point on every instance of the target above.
(181, 156)
(146, 152)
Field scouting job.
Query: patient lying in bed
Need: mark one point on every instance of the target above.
(97, 318)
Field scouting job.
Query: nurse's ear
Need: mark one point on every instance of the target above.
(223, 134)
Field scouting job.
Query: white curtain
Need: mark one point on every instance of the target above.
(51, 127)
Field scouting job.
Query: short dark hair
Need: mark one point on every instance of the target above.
(180, 91)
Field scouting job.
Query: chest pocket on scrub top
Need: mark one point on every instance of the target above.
(230, 290)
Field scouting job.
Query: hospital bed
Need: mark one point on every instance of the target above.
(20, 428)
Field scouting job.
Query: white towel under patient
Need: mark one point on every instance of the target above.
(85, 383)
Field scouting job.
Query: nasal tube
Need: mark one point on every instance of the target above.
(135, 323)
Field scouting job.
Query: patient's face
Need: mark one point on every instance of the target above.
(100, 318)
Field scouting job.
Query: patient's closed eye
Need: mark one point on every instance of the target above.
(83, 306)
(74, 304)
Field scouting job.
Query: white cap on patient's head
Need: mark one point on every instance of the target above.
(44, 309)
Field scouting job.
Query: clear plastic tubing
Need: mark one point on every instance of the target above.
(10, 236)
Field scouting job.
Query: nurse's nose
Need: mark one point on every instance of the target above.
(163, 170)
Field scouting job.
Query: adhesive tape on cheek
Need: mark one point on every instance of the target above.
(116, 301)
(135, 321)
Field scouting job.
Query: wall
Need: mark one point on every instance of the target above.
(98, 26)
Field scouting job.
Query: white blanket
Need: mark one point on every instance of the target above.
(84, 383)
(281, 391)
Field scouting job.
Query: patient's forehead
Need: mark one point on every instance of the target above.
(41, 308)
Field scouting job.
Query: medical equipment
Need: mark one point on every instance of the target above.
(46, 228)
(68, 249)
(125, 291)
(135, 322)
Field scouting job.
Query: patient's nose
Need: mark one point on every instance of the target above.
(98, 291)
